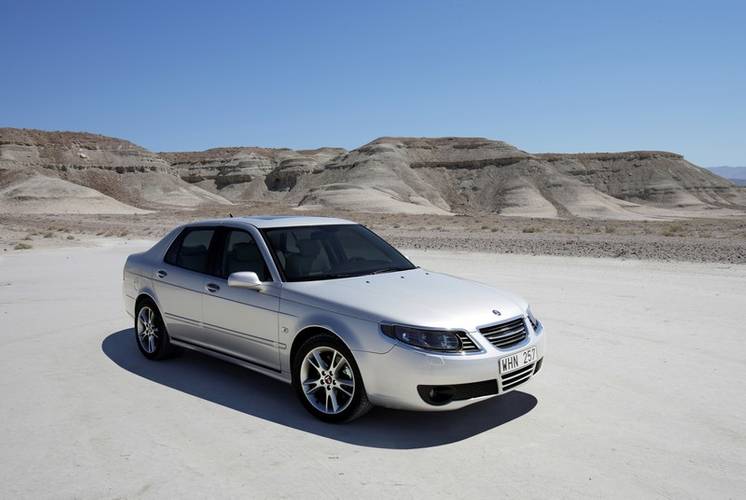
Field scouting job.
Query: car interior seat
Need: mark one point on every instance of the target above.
(245, 257)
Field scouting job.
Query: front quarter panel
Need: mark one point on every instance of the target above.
(357, 334)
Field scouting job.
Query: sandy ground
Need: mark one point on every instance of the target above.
(692, 240)
(641, 395)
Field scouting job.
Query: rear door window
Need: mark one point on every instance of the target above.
(192, 250)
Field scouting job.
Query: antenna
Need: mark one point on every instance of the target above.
(230, 215)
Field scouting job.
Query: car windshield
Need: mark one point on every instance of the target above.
(309, 253)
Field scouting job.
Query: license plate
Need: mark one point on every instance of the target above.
(517, 360)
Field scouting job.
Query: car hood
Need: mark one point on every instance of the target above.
(416, 297)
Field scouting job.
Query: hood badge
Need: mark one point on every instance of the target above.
(496, 312)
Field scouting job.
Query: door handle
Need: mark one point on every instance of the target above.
(161, 273)
(212, 287)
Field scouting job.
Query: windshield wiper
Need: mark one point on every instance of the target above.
(388, 270)
(334, 276)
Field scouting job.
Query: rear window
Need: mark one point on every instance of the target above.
(191, 251)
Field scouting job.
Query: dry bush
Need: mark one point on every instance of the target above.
(675, 229)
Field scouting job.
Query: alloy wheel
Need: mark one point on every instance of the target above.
(147, 330)
(328, 380)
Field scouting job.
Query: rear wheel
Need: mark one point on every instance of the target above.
(328, 381)
(150, 331)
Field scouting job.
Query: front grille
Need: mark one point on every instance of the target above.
(506, 334)
(517, 377)
(467, 344)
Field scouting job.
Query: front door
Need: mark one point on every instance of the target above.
(243, 322)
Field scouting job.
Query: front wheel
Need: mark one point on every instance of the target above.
(328, 381)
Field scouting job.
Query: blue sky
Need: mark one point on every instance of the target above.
(545, 76)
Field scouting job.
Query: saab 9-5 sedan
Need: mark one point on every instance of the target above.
(330, 307)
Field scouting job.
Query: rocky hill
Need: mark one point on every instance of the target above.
(114, 167)
(244, 173)
(391, 174)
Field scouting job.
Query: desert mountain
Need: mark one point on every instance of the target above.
(391, 174)
(114, 167)
(246, 173)
(466, 175)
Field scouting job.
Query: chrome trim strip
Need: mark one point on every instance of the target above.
(192, 322)
(220, 329)
(242, 335)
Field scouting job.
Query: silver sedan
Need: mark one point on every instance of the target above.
(330, 307)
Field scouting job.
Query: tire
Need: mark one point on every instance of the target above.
(322, 380)
(151, 336)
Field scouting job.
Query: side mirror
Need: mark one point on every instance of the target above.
(244, 279)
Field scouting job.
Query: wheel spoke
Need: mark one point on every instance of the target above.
(311, 386)
(320, 365)
(141, 320)
(331, 363)
(342, 363)
(333, 397)
(344, 390)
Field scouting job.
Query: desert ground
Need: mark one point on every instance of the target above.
(675, 239)
(641, 394)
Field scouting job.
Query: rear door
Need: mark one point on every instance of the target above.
(243, 322)
(180, 280)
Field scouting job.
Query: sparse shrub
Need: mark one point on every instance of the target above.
(674, 229)
(610, 230)
(531, 229)
(70, 237)
(27, 238)
(49, 235)
(485, 227)
(494, 229)
(22, 246)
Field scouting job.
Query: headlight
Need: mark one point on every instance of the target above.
(433, 340)
(532, 319)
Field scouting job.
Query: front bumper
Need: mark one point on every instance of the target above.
(402, 377)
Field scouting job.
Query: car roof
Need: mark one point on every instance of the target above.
(270, 221)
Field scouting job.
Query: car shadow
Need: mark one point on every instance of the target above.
(260, 396)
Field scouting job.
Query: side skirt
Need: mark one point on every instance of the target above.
(270, 372)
